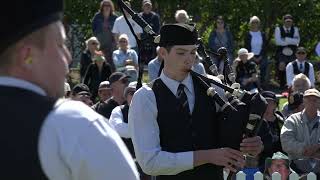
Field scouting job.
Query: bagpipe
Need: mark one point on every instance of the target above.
(242, 111)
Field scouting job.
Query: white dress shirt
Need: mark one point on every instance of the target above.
(290, 75)
(256, 42)
(144, 130)
(287, 41)
(76, 143)
(116, 120)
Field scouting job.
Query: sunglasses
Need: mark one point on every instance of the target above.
(301, 53)
(123, 41)
(94, 43)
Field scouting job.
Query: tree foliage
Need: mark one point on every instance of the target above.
(306, 15)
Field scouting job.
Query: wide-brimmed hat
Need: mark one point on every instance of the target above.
(312, 92)
(243, 51)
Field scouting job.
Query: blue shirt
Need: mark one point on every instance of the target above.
(119, 57)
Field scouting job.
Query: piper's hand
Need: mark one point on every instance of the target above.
(252, 145)
(227, 157)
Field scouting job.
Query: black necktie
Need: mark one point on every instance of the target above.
(301, 67)
(183, 99)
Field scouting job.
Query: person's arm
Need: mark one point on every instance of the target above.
(116, 120)
(135, 58)
(311, 74)
(288, 138)
(83, 65)
(88, 75)
(152, 71)
(279, 41)
(289, 74)
(116, 31)
(95, 25)
(77, 143)
(296, 38)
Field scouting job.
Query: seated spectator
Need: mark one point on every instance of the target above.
(124, 56)
(92, 45)
(246, 71)
(300, 133)
(300, 65)
(294, 104)
(97, 72)
(255, 41)
(182, 16)
(198, 66)
(154, 66)
(118, 81)
(279, 163)
(274, 119)
(81, 92)
(104, 93)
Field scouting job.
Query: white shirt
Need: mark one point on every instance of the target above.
(121, 27)
(287, 41)
(290, 75)
(144, 130)
(256, 42)
(116, 120)
(76, 143)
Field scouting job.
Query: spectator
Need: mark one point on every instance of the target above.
(81, 92)
(148, 48)
(121, 27)
(294, 104)
(279, 163)
(287, 40)
(104, 93)
(221, 37)
(274, 119)
(118, 82)
(246, 70)
(300, 133)
(154, 66)
(318, 49)
(255, 41)
(102, 25)
(198, 66)
(124, 55)
(300, 65)
(97, 72)
(182, 16)
(92, 45)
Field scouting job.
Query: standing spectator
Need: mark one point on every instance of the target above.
(104, 93)
(300, 133)
(318, 49)
(300, 65)
(102, 25)
(221, 37)
(148, 48)
(246, 70)
(124, 55)
(44, 137)
(92, 45)
(287, 40)
(274, 119)
(121, 27)
(181, 16)
(118, 81)
(255, 41)
(97, 72)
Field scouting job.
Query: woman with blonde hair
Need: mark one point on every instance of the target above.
(92, 45)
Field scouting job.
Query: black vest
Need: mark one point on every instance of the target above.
(127, 141)
(22, 115)
(181, 132)
(284, 34)
(297, 71)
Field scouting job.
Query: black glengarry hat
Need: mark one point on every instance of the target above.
(22, 17)
(178, 34)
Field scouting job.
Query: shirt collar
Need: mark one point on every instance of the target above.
(300, 62)
(305, 118)
(173, 84)
(19, 83)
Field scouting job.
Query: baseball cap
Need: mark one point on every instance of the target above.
(269, 95)
(80, 88)
(116, 76)
(104, 85)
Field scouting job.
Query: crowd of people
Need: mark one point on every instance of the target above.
(106, 128)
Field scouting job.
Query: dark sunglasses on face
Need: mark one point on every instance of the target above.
(301, 53)
(94, 43)
(123, 41)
